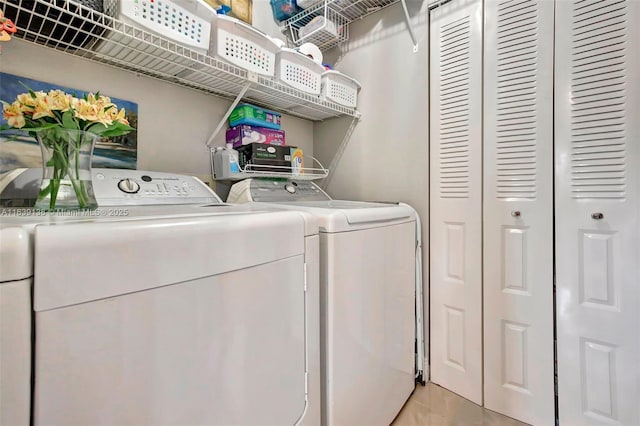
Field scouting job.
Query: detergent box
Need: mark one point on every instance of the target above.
(254, 116)
(297, 161)
(244, 135)
(258, 156)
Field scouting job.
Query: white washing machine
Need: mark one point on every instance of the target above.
(164, 306)
(367, 298)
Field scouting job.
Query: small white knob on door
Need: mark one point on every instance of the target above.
(516, 213)
(597, 216)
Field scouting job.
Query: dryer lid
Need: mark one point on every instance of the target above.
(108, 258)
(342, 216)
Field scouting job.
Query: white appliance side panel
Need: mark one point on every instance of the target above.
(518, 210)
(312, 311)
(16, 254)
(80, 262)
(456, 198)
(597, 158)
(15, 352)
(369, 312)
(222, 350)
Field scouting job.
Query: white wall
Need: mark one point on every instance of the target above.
(263, 19)
(174, 122)
(386, 158)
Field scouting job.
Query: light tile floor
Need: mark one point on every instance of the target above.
(432, 405)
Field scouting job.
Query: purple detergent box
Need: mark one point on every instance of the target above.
(245, 134)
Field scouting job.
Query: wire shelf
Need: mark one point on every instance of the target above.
(328, 21)
(74, 28)
(321, 25)
(358, 9)
(280, 172)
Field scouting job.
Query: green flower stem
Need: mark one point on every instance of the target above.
(83, 189)
(61, 168)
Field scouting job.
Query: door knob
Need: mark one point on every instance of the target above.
(597, 216)
(516, 213)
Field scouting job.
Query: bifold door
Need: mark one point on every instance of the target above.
(456, 198)
(518, 210)
(597, 159)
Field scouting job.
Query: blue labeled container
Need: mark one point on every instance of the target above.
(284, 9)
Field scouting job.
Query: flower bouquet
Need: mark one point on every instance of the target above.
(66, 128)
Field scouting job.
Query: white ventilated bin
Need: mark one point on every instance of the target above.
(241, 44)
(161, 36)
(340, 88)
(188, 25)
(299, 71)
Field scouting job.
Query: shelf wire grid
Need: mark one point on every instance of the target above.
(338, 12)
(317, 171)
(358, 9)
(321, 25)
(76, 29)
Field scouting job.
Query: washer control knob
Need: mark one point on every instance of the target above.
(129, 186)
(290, 188)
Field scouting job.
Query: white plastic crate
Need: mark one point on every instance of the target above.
(340, 88)
(299, 71)
(186, 22)
(241, 44)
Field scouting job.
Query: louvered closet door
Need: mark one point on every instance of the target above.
(455, 194)
(518, 210)
(597, 141)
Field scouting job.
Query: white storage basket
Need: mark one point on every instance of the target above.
(182, 21)
(340, 88)
(241, 44)
(299, 71)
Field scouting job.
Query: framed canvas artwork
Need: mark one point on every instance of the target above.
(18, 150)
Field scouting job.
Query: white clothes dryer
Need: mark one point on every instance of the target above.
(164, 306)
(367, 294)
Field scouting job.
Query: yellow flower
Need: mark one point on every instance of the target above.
(91, 99)
(59, 101)
(26, 102)
(118, 116)
(13, 114)
(103, 117)
(33, 106)
(85, 111)
(42, 108)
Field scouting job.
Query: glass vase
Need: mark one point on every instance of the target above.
(66, 163)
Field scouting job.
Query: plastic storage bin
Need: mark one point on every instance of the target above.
(299, 71)
(241, 44)
(182, 21)
(340, 88)
(254, 116)
(321, 28)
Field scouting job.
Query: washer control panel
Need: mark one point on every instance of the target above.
(116, 187)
